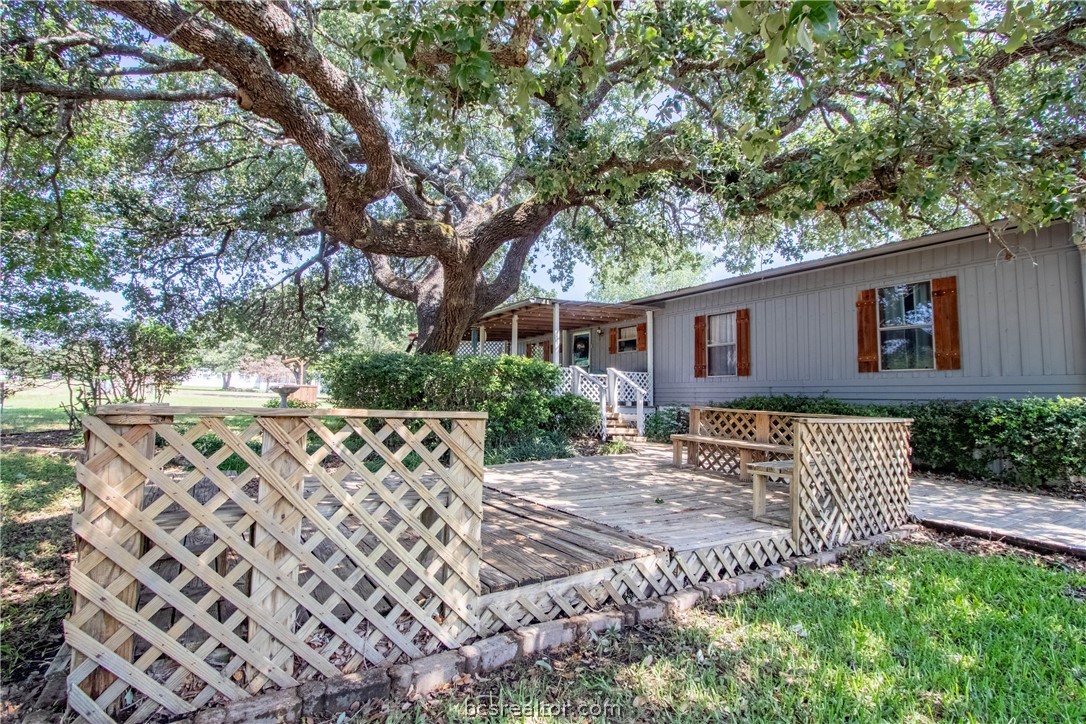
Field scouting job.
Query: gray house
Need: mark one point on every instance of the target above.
(952, 315)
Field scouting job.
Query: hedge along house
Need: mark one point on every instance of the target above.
(954, 315)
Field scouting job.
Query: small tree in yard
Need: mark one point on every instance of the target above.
(111, 361)
(429, 148)
(21, 366)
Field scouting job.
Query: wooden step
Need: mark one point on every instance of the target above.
(622, 431)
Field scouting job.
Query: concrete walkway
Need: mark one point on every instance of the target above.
(1025, 517)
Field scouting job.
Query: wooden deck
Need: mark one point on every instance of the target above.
(555, 518)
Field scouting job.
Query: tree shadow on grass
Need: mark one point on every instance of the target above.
(34, 573)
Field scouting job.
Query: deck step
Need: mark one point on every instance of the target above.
(622, 431)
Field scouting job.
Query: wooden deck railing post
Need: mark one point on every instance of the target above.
(467, 465)
(695, 429)
(277, 603)
(761, 427)
(116, 475)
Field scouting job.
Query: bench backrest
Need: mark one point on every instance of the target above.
(753, 425)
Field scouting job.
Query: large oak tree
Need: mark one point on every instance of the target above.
(207, 148)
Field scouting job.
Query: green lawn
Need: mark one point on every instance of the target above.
(39, 409)
(915, 633)
(37, 495)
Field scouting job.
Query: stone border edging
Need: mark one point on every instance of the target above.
(422, 676)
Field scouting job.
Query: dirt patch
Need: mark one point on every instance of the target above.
(44, 438)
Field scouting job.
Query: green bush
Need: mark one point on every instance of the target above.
(1031, 441)
(664, 422)
(293, 404)
(572, 415)
(516, 392)
(544, 446)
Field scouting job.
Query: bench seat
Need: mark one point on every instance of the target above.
(761, 473)
(745, 448)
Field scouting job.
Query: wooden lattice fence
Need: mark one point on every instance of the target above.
(850, 481)
(850, 476)
(213, 563)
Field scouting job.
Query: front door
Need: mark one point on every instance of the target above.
(581, 348)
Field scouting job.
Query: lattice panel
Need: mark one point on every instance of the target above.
(729, 424)
(338, 545)
(628, 581)
(624, 582)
(851, 480)
(490, 348)
(714, 564)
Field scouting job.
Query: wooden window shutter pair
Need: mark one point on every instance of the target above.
(948, 346)
(612, 340)
(948, 343)
(642, 337)
(529, 350)
(742, 344)
(547, 351)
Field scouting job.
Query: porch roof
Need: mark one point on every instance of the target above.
(535, 316)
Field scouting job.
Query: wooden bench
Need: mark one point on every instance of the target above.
(761, 473)
(745, 448)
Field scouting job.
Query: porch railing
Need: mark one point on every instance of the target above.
(593, 388)
(621, 387)
(213, 562)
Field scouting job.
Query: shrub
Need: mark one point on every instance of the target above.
(514, 391)
(293, 404)
(664, 422)
(572, 415)
(1031, 441)
(544, 446)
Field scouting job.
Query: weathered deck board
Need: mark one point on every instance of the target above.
(682, 509)
(525, 543)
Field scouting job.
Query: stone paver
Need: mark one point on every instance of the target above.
(1001, 512)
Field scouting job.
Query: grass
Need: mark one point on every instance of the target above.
(38, 494)
(39, 409)
(916, 633)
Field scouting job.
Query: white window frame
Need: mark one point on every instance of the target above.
(734, 343)
(879, 328)
(621, 339)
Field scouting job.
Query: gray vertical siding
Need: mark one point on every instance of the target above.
(1022, 325)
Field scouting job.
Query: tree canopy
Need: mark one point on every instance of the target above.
(206, 151)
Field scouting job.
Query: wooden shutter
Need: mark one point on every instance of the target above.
(948, 346)
(642, 337)
(547, 351)
(701, 353)
(742, 342)
(612, 340)
(867, 331)
(529, 350)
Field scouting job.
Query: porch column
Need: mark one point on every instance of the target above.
(649, 365)
(513, 342)
(556, 337)
(482, 338)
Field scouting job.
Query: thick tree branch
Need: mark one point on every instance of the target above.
(292, 51)
(87, 93)
(389, 281)
(260, 87)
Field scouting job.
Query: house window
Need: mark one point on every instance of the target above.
(906, 329)
(627, 339)
(720, 344)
